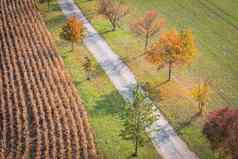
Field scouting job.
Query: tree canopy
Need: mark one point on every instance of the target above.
(148, 25)
(200, 94)
(221, 129)
(113, 11)
(137, 117)
(73, 30)
(173, 49)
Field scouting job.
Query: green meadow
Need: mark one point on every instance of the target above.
(102, 101)
(215, 27)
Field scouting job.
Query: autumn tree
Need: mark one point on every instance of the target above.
(148, 26)
(73, 30)
(221, 129)
(113, 11)
(136, 117)
(173, 49)
(200, 94)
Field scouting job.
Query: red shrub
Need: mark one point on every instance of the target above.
(221, 129)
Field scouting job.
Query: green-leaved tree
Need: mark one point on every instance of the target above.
(137, 117)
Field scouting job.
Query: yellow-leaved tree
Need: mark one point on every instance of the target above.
(200, 94)
(73, 30)
(173, 49)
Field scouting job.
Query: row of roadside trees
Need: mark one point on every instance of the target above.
(174, 48)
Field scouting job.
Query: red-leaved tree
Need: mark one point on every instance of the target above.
(113, 11)
(148, 26)
(221, 129)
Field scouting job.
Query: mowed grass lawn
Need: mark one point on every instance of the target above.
(215, 27)
(102, 101)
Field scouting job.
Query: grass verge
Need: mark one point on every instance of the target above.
(215, 27)
(102, 101)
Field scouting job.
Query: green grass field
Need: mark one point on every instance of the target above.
(215, 26)
(102, 101)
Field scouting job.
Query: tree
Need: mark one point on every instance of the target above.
(221, 129)
(113, 11)
(200, 94)
(148, 26)
(232, 141)
(173, 49)
(73, 30)
(136, 117)
(87, 67)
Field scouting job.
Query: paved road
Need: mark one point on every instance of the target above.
(166, 142)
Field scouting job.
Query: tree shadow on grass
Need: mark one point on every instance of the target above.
(78, 82)
(55, 22)
(109, 104)
(89, 13)
(105, 31)
(54, 18)
(97, 71)
(85, 1)
(162, 83)
(187, 123)
(54, 7)
(127, 60)
(64, 49)
(92, 77)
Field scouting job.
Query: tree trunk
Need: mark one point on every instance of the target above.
(114, 27)
(200, 107)
(170, 71)
(88, 75)
(146, 41)
(72, 46)
(136, 138)
(136, 148)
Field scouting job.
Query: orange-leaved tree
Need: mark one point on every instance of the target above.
(73, 30)
(148, 26)
(173, 49)
(200, 94)
(113, 11)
